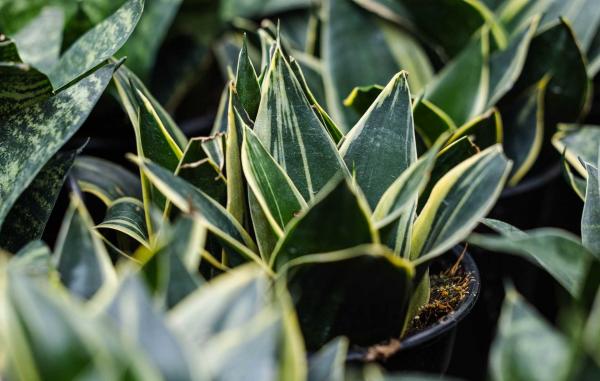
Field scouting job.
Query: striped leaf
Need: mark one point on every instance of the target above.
(559, 253)
(39, 41)
(126, 215)
(288, 127)
(198, 167)
(246, 82)
(82, 260)
(590, 220)
(338, 219)
(188, 198)
(469, 72)
(382, 144)
(96, 45)
(273, 189)
(21, 84)
(347, 26)
(34, 134)
(458, 201)
(27, 218)
(578, 142)
(332, 301)
(105, 180)
(334, 130)
(236, 197)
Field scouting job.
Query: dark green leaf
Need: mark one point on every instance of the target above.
(382, 144)
(246, 83)
(362, 97)
(126, 215)
(338, 219)
(590, 220)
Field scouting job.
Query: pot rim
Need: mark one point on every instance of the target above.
(447, 323)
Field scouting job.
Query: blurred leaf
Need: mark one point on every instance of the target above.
(458, 201)
(33, 134)
(288, 127)
(40, 40)
(590, 220)
(347, 26)
(230, 9)
(27, 219)
(34, 260)
(273, 189)
(97, 45)
(578, 141)
(526, 347)
(558, 252)
(523, 123)
(338, 219)
(126, 215)
(82, 261)
(142, 46)
(382, 144)
(469, 72)
(331, 301)
(329, 362)
(592, 331)
(104, 179)
(132, 311)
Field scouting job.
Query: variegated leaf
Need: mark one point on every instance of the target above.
(382, 144)
(337, 219)
(578, 142)
(97, 45)
(431, 122)
(291, 131)
(458, 201)
(484, 130)
(188, 198)
(105, 180)
(590, 220)
(273, 189)
(34, 134)
(126, 215)
(28, 216)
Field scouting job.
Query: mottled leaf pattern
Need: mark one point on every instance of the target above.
(46, 126)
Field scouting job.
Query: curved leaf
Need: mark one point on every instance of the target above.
(126, 215)
(458, 201)
(104, 179)
(578, 142)
(558, 252)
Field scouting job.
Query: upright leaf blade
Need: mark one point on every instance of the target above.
(382, 144)
(246, 83)
(291, 131)
(590, 220)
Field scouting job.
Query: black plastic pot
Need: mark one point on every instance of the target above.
(431, 349)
